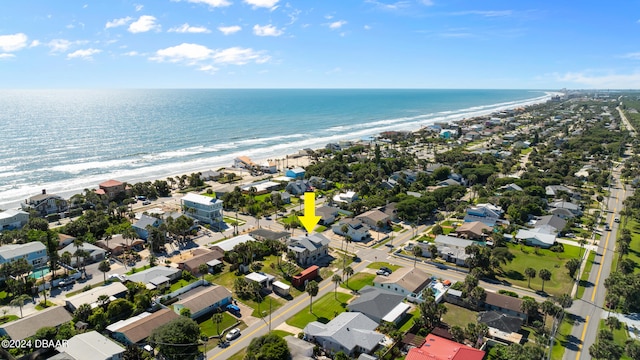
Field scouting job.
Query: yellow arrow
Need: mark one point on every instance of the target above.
(309, 220)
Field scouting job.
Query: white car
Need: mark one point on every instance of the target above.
(233, 334)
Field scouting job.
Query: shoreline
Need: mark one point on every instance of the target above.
(280, 151)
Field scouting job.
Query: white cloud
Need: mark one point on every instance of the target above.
(337, 24)
(13, 42)
(211, 3)
(186, 28)
(118, 22)
(486, 13)
(85, 54)
(139, 7)
(59, 45)
(634, 56)
(427, 2)
(606, 81)
(390, 7)
(143, 24)
(228, 30)
(6, 56)
(131, 53)
(328, 17)
(269, 4)
(205, 58)
(367, 27)
(267, 30)
(209, 69)
(34, 43)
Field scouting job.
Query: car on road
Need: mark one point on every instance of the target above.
(606, 227)
(233, 334)
(386, 269)
(617, 219)
(146, 202)
(267, 217)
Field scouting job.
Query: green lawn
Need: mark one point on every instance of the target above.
(208, 327)
(8, 318)
(358, 281)
(136, 270)
(181, 283)
(457, 315)
(560, 342)
(406, 323)
(634, 247)
(281, 333)
(260, 307)
(620, 336)
(41, 305)
(585, 275)
(324, 309)
(239, 355)
(526, 256)
(378, 264)
(4, 298)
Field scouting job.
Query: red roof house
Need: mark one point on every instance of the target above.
(437, 348)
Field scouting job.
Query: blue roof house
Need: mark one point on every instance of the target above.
(140, 226)
(296, 173)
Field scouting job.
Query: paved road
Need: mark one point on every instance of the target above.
(588, 310)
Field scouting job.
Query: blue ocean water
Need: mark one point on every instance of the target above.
(68, 140)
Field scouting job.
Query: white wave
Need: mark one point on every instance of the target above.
(79, 167)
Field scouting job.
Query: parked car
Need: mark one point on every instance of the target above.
(146, 202)
(382, 272)
(233, 334)
(66, 282)
(606, 227)
(386, 269)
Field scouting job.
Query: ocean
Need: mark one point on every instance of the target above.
(68, 140)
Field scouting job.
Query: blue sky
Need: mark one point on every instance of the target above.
(320, 44)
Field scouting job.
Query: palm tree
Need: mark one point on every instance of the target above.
(565, 300)
(345, 229)
(104, 267)
(312, 290)
(547, 308)
(348, 271)
(65, 258)
(217, 319)
(417, 251)
(530, 273)
(336, 280)
(545, 275)
(19, 301)
(433, 249)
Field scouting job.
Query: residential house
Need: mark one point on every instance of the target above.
(555, 222)
(113, 290)
(511, 187)
(318, 182)
(537, 237)
(438, 348)
(266, 234)
(504, 304)
(562, 213)
(45, 204)
(349, 332)
(390, 210)
(11, 219)
(573, 208)
(95, 253)
(488, 214)
(405, 281)
(374, 218)
(243, 162)
(261, 187)
(204, 301)
(474, 230)
(90, 345)
(452, 249)
(295, 173)
(298, 187)
(201, 256)
(554, 191)
(328, 214)
(502, 327)
(34, 252)
(156, 276)
(300, 280)
(346, 197)
(64, 240)
(112, 189)
(140, 226)
(116, 245)
(210, 175)
(356, 230)
(28, 326)
(138, 331)
(380, 305)
(308, 249)
(285, 197)
(448, 182)
(268, 167)
(299, 349)
(203, 208)
(447, 134)
(264, 280)
(229, 244)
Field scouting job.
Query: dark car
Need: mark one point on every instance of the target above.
(384, 268)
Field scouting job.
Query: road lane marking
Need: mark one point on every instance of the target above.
(584, 333)
(604, 252)
(275, 318)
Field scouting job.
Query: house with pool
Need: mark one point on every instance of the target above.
(34, 252)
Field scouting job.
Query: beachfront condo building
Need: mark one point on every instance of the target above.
(203, 208)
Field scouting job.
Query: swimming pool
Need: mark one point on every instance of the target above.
(37, 274)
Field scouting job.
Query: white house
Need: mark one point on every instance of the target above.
(349, 332)
(45, 204)
(90, 345)
(203, 208)
(356, 229)
(346, 197)
(536, 237)
(13, 219)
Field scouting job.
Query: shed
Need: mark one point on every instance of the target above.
(281, 288)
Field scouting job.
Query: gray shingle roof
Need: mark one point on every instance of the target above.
(375, 302)
(349, 329)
